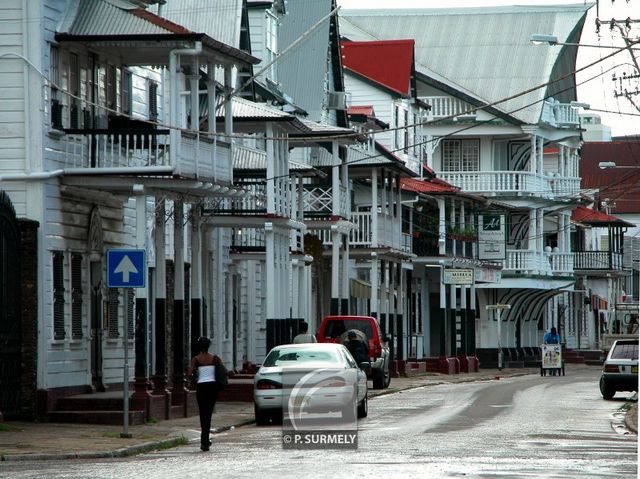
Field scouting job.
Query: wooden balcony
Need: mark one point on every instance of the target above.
(559, 115)
(146, 150)
(538, 262)
(318, 202)
(501, 182)
(598, 260)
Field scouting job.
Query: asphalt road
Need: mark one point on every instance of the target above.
(521, 427)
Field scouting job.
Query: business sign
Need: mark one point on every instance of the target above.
(126, 268)
(492, 234)
(457, 276)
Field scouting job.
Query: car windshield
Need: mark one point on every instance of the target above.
(625, 351)
(289, 356)
(335, 328)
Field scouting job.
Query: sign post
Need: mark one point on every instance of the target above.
(126, 268)
(498, 308)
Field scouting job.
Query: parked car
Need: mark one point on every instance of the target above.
(313, 377)
(333, 329)
(620, 371)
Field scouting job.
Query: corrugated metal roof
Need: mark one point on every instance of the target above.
(247, 159)
(484, 52)
(113, 17)
(422, 186)
(302, 71)
(389, 62)
(593, 217)
(220, 19)
(246, 110)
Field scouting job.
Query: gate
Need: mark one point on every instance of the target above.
(10, 333)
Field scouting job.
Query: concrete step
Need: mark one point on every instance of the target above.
(89, 402)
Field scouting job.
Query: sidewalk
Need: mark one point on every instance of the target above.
(30, 441)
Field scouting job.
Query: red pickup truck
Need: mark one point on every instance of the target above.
(333, 329)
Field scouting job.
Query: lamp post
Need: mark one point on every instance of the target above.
(539, 39)
(498, 308)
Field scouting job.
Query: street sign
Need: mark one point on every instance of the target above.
(458, 276)
(126, 268)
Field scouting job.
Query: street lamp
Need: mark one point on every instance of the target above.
(608, 165)
(539, 39)
(498, 308)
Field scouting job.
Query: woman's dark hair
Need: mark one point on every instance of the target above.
(203, 344)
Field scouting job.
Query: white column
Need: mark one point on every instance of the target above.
(533, 159)
(375, 285)
(533, 227)
(335, 264)
(270, 287)
(335, 179)
(271, 170)
(442, 230)
(141, 237)
(541, 155)
(540, 229)
(374, 208)
(345, 267)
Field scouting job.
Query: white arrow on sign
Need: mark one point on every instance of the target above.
(126, 267)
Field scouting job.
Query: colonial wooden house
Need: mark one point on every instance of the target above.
(502, 125)
(107, 153)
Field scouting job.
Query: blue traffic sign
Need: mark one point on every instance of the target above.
(126, 268)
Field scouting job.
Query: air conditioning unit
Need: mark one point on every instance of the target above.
(337, 100)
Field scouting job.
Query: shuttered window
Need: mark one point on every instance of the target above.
(153, 100)
(58, 296)
(130, 312)
(113, 303)
(76, 296)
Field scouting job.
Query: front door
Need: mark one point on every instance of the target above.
(10, 317)
(96, 325)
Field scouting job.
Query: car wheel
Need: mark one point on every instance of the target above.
(363, 407)
(349, 411)
(607, 391)
(387, 376)
(262, 417)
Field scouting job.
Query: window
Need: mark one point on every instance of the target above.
(56, 97)
(76, 296)
(153, 100)
(113, 303)
(127, 83)
(130, 313)
(74, 86)
(396, 126)
(111, 89)
(460, 155)
(271, 43)
(405, 131)
(58, 296)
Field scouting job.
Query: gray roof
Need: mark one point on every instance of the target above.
(248, 159)
(219, 19)
(482, 52)
(302, 71)
(107, 17)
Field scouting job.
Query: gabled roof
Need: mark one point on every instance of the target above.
(388, 63)
(483, 53)
(596, 218)
(421, 186)
(247, 111)
(620, 185)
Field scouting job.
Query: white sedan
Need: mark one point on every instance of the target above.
(305, 378)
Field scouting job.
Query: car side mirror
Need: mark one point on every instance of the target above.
(365, 366)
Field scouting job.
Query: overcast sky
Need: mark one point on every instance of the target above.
(599, 93)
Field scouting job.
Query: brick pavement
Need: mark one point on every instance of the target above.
(31, 441)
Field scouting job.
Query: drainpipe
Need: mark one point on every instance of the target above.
(174, 135)
(42, 175)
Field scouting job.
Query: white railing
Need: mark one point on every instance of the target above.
(406, 243)
(565, 186)
(248, 238)
(538, 262)
(499, 181)
(389, 232)
(598, 260)
(559, 114)
(319, 199)
(561, 262)
(130, 148)
(446, 106)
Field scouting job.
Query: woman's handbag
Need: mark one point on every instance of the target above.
(222, 377)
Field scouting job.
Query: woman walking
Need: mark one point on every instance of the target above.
(204, 367)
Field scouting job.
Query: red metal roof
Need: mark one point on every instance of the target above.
(388, 63)
(361, 110)
(593, 217)
(160, 21)
(621, 185)
(421, 186)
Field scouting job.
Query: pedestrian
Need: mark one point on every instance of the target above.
(208, 370)
(357, 348)
(304, 336)
(552, 337)
(633, 325)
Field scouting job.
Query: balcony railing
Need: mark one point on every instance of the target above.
(564, 186)
(538, 262)
(559, 114)
(318, 201)
(389, 233)
(118, 148)
(446, 106)
(499, 181)
(594, 260)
